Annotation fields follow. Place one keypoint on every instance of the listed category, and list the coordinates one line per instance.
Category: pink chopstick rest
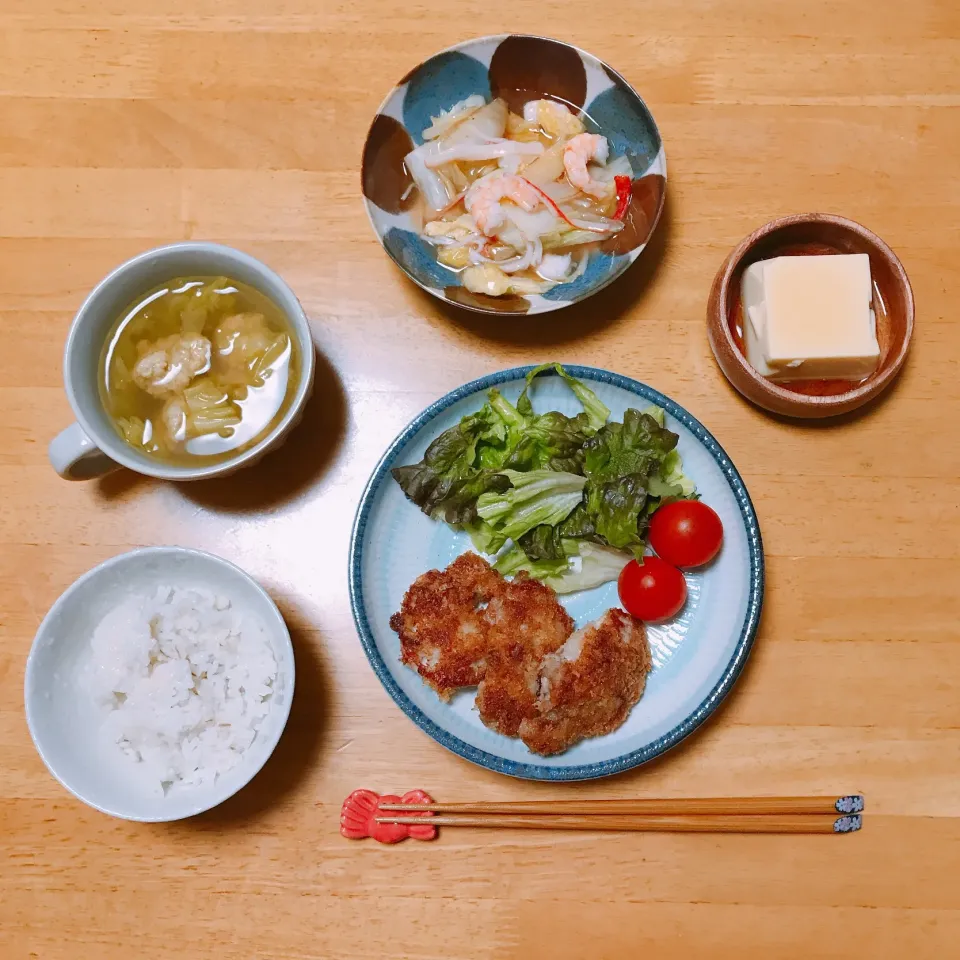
(358, 817)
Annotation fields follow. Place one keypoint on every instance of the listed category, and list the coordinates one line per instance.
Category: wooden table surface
(127, 123)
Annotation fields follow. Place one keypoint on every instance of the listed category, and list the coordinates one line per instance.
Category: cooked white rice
(187, 681)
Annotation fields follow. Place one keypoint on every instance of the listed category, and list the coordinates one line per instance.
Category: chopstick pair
(393, 818)
(682, 815)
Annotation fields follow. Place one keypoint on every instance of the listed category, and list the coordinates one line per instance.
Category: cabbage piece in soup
(199, 368)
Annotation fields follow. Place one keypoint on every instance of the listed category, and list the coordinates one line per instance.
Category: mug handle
(76, 457)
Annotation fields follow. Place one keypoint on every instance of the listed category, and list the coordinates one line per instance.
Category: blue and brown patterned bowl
(517, 68)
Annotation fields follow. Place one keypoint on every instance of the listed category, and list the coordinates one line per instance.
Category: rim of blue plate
(604, 768)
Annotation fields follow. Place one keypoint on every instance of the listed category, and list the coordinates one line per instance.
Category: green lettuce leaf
(463, 462)
(535, 497)
(507, 413)
(552, 442)
(671, 470)
(451, 455)
(598, 565)
(597, 412)
(657, 413)
(505, 429)
(580, 525)
(632, 468)
(586, 566)
(514, 560)
(546, 542)
(671, 473)
(483, 537)
(543, 543)
(452, 499)
(557, 486)
(616, 508)
(637, 445)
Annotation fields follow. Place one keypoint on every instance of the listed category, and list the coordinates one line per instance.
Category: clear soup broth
(198, 368)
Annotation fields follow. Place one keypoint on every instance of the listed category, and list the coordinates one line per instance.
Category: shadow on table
(287, 472)
(571, 323)
(870, 409)
(301, 744)
(282, 475)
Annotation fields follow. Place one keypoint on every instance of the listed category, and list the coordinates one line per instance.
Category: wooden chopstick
(690, 823)
(731, 806)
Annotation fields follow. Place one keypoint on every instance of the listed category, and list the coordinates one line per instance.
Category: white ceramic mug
(92, 446)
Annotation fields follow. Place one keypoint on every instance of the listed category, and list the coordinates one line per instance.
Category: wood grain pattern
(127, 123)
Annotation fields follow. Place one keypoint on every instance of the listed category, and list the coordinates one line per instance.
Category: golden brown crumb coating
(467, 626)
(525, 621)
(442, 632)
(588, 687)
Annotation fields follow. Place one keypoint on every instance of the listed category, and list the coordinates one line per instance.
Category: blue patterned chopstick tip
(850, 804)
(848, 824)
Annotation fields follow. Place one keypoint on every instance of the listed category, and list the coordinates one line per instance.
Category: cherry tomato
(686, 533)
(652, 592)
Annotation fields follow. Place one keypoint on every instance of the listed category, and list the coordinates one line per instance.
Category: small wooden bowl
(811, 233)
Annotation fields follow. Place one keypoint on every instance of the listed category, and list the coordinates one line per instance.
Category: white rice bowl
(129, 755)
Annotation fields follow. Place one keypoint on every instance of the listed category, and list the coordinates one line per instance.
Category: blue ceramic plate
(697, 657)
(516, 68)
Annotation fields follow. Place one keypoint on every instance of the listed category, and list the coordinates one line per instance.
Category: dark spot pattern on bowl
(383, 175)
(646, 203)
(624, 120)
(418, 258)
(409, 75)
(517, 68)
(524, 68)
(480, 301)
(437, 85)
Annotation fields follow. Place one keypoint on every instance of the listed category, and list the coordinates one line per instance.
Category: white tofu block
(810, 317)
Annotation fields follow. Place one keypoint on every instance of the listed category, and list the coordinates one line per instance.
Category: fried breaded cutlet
(525, 621)
(442, 631)
(467, 626)
(588, 687)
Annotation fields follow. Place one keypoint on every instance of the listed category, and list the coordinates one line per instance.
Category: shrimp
(577, 153)
(483, 199)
